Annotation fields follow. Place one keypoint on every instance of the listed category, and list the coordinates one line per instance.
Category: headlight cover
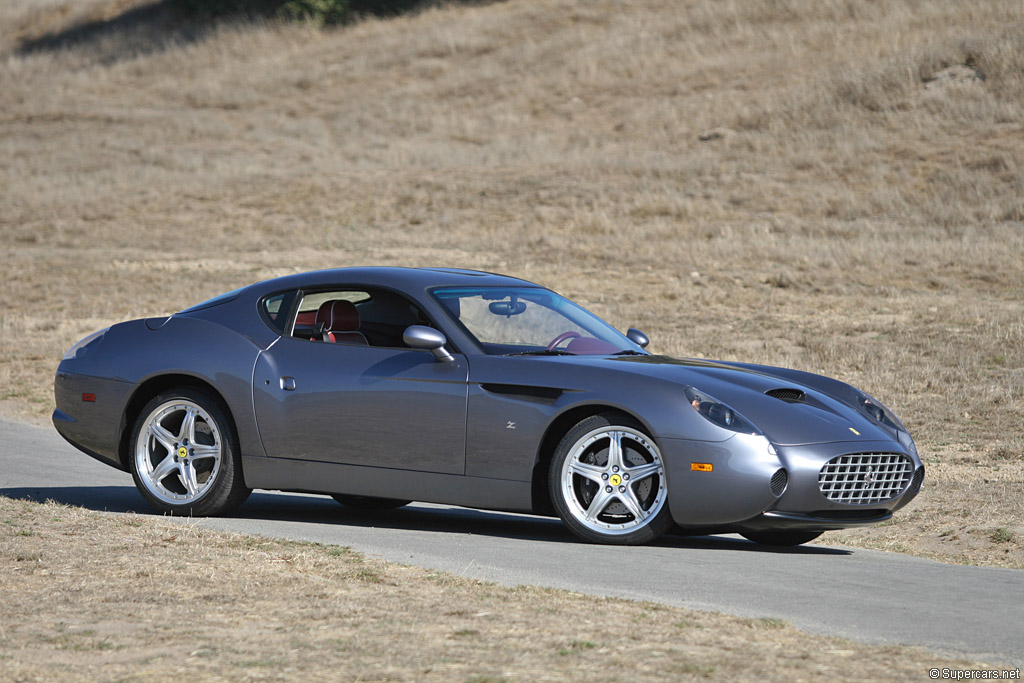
(878, 412)
(718, 413)
(908, 442)
(82, 347)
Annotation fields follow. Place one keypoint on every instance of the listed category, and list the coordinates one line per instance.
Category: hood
(793, 413)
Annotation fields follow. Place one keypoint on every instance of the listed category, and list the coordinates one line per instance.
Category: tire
(607, 482)
(368, 502)
(781, 538)
(184, 455)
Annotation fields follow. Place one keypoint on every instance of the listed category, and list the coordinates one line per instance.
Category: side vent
(524, 391)
(787, 395)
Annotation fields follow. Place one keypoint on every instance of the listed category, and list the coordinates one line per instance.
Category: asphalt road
(871, 596)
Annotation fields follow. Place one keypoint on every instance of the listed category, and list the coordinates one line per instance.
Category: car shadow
(156, 26)
(100, 498)
(298, 508)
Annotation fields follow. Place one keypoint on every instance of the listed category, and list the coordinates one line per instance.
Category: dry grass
(858, 215)
(153, 600)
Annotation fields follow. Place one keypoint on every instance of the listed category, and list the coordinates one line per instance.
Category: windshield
(527, 320)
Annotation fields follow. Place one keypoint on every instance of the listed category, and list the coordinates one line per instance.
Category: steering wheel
(561, 338)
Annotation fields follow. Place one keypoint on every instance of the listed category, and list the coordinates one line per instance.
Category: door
(362, 405)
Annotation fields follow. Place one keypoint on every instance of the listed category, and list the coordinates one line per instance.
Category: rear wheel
(781, 538)
(368, 502)
(184, 455)
(607, 482)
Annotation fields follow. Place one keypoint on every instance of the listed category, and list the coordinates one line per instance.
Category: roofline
(394, 276)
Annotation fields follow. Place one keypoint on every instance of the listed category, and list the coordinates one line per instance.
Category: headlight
(879, 413)
(83, 346)
(907, 442)
(718, 413)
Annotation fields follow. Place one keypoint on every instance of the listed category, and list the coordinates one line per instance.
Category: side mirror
(423, 337)
(637, 337)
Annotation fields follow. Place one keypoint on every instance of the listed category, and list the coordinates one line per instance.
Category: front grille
(779, 481)
(865, 478)
(788, 395)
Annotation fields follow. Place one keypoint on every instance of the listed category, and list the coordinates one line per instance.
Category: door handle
(288, 383)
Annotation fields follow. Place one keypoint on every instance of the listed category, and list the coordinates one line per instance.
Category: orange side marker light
(702, 467)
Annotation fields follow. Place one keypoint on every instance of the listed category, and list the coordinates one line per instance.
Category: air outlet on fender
(524, 391)
(788, 395)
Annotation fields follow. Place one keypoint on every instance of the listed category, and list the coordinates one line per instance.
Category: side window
(274, 310)
(364, 316)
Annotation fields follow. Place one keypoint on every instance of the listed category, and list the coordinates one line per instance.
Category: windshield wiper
(629, 352)
(542, 352)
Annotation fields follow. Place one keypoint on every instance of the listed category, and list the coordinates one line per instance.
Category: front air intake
(915, 485)
(865, 478)
(779, 482)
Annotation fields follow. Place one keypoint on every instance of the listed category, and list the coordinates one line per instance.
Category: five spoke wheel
(608, 482)
(184, 456)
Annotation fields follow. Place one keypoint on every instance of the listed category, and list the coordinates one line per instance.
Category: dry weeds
(858, 211)
(152, 599)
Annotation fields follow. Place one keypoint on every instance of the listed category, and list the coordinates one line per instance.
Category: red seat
(340, 321)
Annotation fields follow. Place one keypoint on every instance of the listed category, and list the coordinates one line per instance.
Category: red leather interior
(341, 322)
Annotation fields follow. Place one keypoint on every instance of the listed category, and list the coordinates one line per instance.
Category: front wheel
(607, 482)
(184, 455)
(781, 538)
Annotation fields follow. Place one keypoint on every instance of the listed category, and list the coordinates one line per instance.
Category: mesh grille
(778, 482)
(915, 485)
(865, 478)
(790, 395)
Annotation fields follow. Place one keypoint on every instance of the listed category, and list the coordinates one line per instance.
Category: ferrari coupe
(382, 386)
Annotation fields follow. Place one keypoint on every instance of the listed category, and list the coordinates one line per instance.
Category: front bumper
(737, 493)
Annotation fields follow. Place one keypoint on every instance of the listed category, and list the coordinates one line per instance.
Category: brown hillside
(836, 186)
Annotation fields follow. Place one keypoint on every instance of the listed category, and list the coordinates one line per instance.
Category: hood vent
(787, 395)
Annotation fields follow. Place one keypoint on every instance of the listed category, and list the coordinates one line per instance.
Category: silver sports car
(381, 386)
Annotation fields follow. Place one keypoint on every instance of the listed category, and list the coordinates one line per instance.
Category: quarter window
(275, 310)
